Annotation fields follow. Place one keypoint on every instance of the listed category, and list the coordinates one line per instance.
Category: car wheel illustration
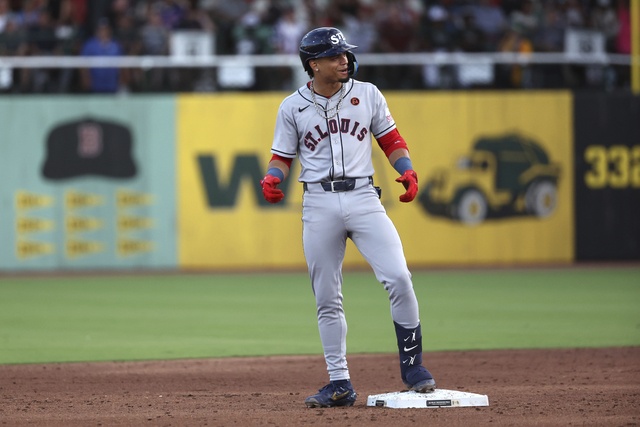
(541, 198)
(471, 208)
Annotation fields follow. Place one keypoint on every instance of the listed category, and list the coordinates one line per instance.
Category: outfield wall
(172, 181)
(87, 182)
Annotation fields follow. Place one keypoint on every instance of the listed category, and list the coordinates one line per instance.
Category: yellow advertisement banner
(495, 173)
(224, 144)
(496, 177)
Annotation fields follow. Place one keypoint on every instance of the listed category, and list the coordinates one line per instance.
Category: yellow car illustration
(502, 176)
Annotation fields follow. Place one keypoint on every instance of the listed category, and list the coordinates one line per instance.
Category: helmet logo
(337, 38)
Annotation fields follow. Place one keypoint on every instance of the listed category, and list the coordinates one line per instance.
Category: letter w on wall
(244, 166)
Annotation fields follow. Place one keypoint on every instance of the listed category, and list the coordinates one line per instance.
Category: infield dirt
(568, 387)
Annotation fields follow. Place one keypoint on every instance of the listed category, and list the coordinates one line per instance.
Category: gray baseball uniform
(332, 139)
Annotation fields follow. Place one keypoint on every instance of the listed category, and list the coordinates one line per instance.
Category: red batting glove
(410, 181)
(271, 193)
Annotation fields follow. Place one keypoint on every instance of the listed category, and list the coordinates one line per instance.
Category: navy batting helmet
(326, 41)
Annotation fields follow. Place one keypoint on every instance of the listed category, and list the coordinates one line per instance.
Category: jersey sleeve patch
(387, 114)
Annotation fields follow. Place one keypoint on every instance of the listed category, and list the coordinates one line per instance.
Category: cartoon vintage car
(503, 176)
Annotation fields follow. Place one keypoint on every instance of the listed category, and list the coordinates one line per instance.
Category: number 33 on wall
(617, 166)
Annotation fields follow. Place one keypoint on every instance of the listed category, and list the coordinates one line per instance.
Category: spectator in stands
(604, 18)
(525, 19)
(126, 32)
(397, 29)
(467, 36)
(437, 37)
(575, 15)
(42, 35)
(69, 27)
(172, 12)
(509, 6)
(42, 41)
(549, 38)
(347, 7)
(101, 80)
(360, 29)
(252, 36)
(5, 14)
(199, 79)
(77, 11)
(514, 75)
(30, 12)
(195, 18)
(225, 15)
(331, 15)
(287, 33)
(385, 26)
(398, 33)
(117, 10)
(154, 35)
(436, 31)
(13, 39)
(69, 24)
(154, 39)
(13, 42)
(491, 20)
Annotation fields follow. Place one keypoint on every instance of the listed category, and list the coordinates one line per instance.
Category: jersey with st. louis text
(332, 148)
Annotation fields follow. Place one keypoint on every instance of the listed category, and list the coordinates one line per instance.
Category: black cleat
(336, 393)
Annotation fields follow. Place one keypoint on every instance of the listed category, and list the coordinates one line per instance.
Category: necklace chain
(325, 113)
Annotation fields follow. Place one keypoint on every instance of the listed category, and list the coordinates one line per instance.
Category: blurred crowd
(145, 27)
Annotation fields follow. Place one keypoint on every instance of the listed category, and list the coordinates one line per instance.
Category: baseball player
(328, 124)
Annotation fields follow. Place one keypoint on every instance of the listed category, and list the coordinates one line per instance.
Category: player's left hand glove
(271, 193)
(410, 181)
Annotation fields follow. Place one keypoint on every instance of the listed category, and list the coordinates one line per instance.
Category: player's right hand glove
(410, 181)
(271, 193)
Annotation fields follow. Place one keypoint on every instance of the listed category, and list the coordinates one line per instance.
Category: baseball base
(437, 399)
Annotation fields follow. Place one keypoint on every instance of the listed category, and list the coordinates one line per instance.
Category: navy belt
(339, 186)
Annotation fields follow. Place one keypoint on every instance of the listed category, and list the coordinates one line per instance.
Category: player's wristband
(402, 165)
(277, 172)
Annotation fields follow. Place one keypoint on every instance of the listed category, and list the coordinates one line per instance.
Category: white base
(437, 399)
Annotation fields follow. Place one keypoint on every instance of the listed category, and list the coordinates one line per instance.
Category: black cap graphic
(89, 147)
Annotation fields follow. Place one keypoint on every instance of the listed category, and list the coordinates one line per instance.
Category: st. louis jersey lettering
(334, 148)
(311, 139)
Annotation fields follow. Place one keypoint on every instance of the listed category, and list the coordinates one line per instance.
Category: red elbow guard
(391, 142)
(286, 160)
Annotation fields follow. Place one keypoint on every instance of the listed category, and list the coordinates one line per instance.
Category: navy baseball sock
(409, 347)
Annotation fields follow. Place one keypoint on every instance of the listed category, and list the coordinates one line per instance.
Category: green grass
(190, 316)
